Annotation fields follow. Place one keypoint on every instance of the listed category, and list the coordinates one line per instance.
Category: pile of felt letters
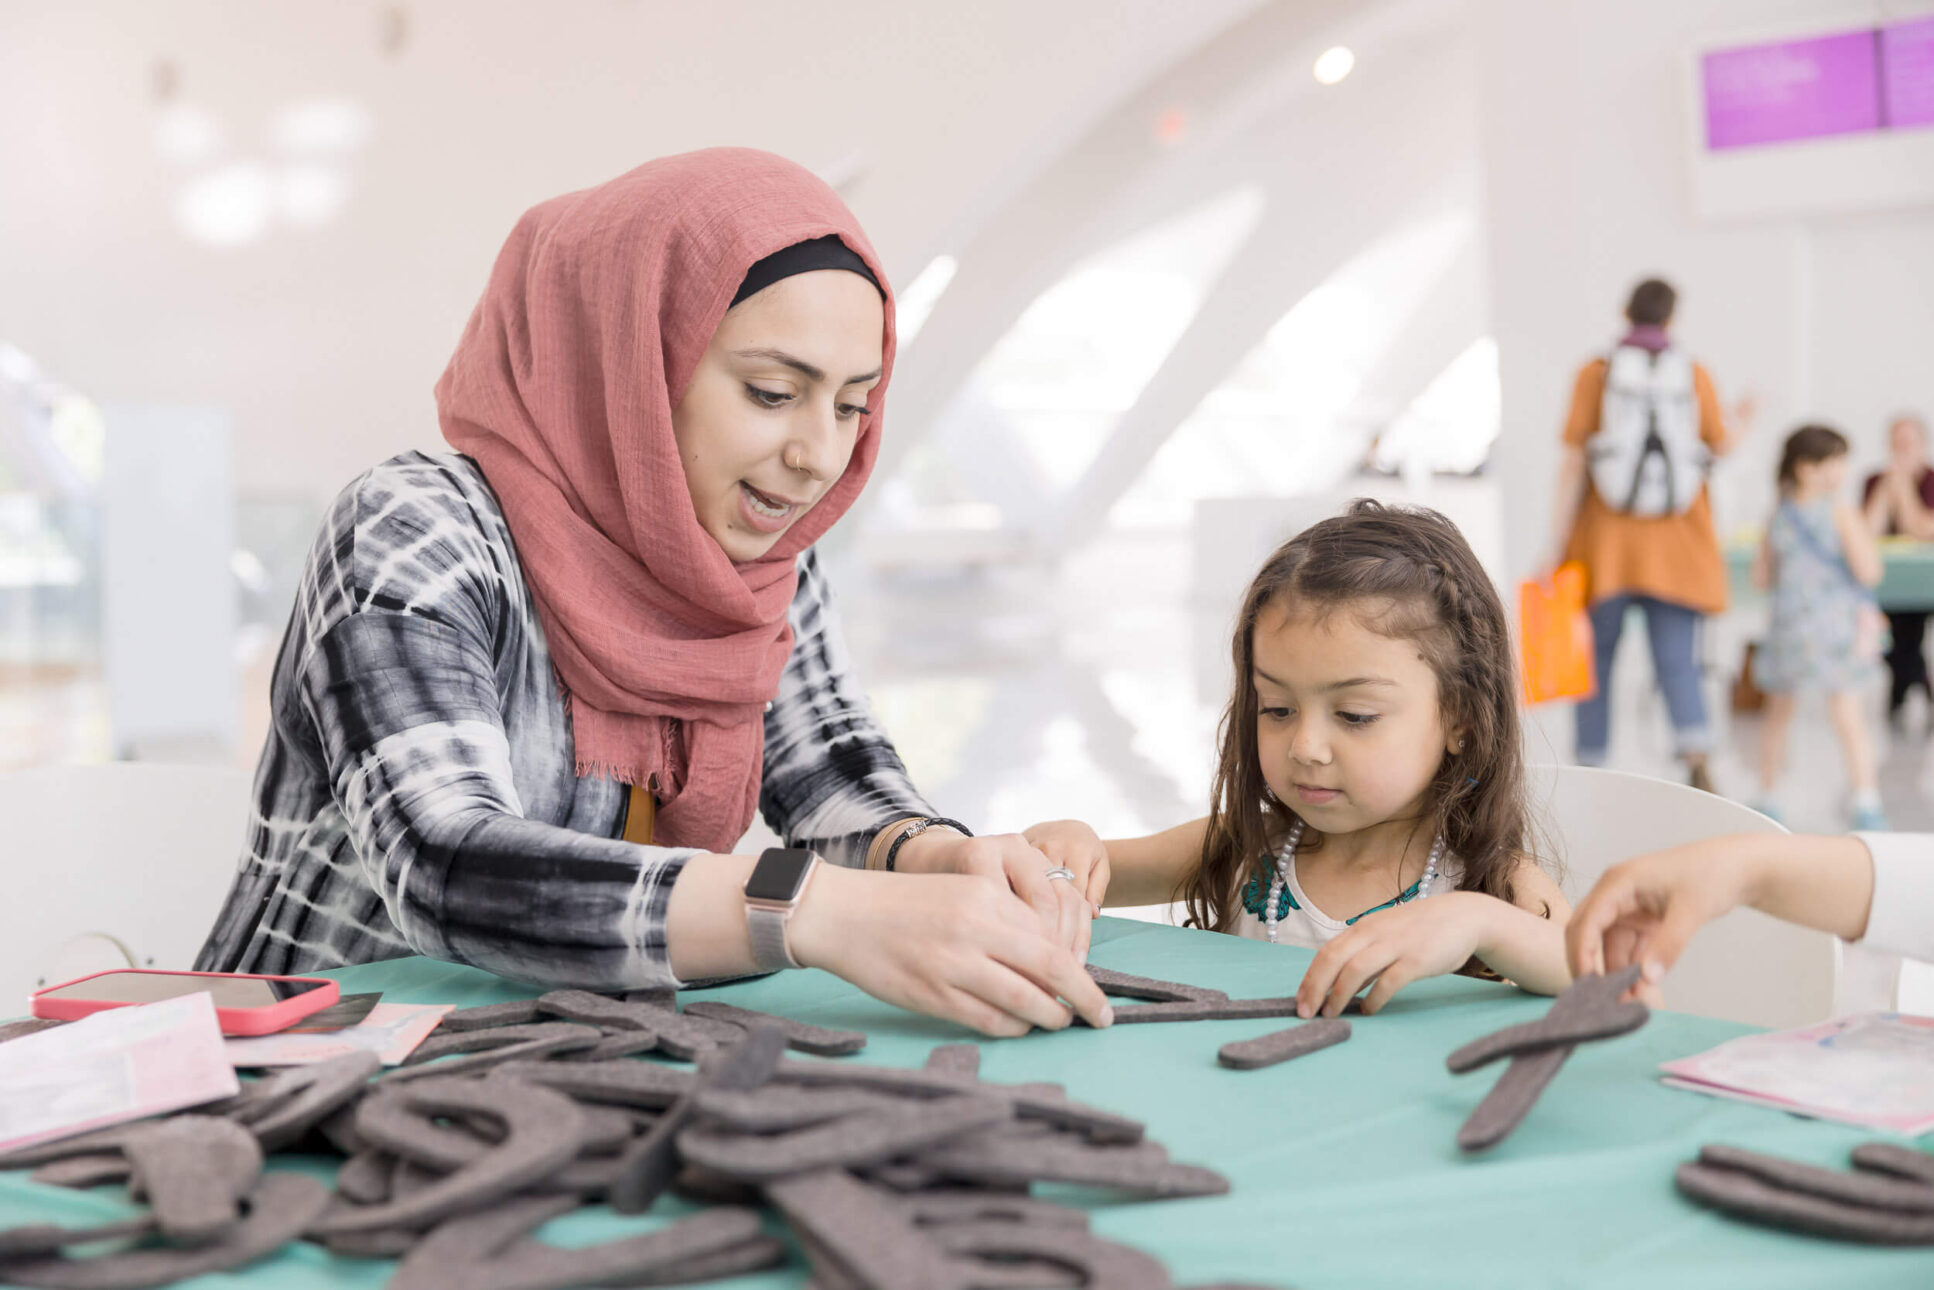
(513, 1114)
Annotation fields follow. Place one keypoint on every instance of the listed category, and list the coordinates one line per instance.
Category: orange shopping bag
(1555, 637)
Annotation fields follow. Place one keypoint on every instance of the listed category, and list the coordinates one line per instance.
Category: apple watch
(772, 893)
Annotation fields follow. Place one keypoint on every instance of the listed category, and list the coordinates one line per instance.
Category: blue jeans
(1674, 632)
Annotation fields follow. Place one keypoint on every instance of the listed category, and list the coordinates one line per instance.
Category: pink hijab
(598, 310)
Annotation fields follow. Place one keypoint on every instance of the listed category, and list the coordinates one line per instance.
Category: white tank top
(1310, 927)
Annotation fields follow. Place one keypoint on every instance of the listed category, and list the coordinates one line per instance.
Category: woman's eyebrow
(802, 367)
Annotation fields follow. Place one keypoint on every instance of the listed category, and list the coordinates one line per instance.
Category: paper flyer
(391, 1031)
(116, 1065)
(1875, 1069)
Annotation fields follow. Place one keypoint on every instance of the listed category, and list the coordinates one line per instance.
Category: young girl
(1370, 798)
(1820, 562)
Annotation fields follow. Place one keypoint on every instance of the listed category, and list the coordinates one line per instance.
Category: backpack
(1647, 458)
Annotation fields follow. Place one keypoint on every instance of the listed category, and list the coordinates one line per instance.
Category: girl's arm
(1857, 541)
(1151, 870)
(1763, 562)
(1523, 941)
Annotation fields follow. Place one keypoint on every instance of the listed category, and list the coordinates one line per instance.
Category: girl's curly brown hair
(1406, 573)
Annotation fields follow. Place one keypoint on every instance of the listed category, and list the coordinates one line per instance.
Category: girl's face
(770, 418)
(1821, 478)
(1348, 721)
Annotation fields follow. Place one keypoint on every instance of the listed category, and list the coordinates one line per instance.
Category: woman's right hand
(947, 945)
(1646, 909)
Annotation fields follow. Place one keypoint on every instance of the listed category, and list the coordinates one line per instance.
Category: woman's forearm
(1820, 882)
(1151, 870)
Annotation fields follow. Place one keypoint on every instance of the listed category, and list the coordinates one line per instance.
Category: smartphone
(244, 1004)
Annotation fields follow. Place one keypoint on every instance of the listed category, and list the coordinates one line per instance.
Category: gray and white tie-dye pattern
(416, 794)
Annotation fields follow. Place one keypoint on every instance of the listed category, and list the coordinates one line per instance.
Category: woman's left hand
(1395, 947)
(1016, 861)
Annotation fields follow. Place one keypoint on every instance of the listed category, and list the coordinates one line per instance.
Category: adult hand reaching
(949, 945)
(1644, 911)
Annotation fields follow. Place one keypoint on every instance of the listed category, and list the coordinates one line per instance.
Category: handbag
(1555, 637)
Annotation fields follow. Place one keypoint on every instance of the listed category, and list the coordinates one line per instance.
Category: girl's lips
(1317, 796)
(760, 519)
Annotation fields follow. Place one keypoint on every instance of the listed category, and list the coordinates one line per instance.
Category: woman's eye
(767, 398)
(1357, 718)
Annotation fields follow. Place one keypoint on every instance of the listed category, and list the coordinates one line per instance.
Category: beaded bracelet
(921, 826)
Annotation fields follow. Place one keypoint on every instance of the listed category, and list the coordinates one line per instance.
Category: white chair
(117, 865)
(1744, 966)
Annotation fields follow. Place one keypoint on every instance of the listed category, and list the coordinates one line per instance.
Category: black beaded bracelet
(926, 822)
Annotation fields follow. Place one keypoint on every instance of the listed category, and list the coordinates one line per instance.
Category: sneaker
(1701, 779)
(1770, 811)
(1869, 819)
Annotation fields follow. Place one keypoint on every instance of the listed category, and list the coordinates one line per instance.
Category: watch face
(778, 875)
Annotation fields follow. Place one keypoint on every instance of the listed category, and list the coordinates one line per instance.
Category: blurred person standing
(1899, 502)
(1819, 561)
(1632, 505)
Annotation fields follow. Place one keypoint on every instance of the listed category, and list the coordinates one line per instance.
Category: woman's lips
(764, 512)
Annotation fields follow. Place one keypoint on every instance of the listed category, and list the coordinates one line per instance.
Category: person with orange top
(1633, 507)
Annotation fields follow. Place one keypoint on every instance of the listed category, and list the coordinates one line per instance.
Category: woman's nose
(815, 448)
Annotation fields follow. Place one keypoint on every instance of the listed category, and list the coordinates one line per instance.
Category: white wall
(1588, 189)
(324, 344)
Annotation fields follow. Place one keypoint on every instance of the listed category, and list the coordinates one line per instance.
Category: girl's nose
(1309, 747)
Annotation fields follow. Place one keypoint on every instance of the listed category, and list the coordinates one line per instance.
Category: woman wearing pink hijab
(533, 691)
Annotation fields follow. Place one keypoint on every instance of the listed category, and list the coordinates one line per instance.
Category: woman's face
(771, 415)
(1908, 442)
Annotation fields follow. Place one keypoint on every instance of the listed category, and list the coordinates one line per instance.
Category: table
(1343, 1164)
(1906, 580)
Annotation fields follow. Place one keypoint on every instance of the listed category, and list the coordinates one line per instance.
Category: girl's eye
(847, 411)
(1274, 714)
(767, 398)
(1357, 718)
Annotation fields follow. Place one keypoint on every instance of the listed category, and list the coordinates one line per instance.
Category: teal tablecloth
(1343, 1163)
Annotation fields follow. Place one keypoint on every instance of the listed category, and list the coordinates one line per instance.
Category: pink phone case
(233, 1021)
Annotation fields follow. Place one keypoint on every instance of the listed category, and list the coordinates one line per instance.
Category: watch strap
(768, 928)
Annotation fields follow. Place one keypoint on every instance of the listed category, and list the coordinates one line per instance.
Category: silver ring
(1059, 872)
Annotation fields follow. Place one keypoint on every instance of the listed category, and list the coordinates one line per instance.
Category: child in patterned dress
(1819, 561)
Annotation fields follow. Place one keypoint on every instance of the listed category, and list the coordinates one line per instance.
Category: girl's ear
(1454, 742)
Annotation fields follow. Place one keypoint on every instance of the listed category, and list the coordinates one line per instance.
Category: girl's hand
(1013, 861)
(950, 946)
(1395, 947)
(1076, 846)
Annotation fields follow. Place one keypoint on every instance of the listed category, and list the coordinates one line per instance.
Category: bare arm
(1914, 519)
(1763, 567)
(1857, 541)
(1646, 909)
(1151, 870)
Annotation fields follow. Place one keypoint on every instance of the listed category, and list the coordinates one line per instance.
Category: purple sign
(1793, 89)
(1907, 72)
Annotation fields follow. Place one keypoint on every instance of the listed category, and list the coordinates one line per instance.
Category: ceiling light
(1334, 64)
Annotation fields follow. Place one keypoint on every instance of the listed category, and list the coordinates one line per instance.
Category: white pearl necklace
(1288, 851)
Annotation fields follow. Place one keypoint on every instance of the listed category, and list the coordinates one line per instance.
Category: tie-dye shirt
(417, 792)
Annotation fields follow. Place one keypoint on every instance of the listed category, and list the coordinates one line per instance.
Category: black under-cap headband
(805, 257)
